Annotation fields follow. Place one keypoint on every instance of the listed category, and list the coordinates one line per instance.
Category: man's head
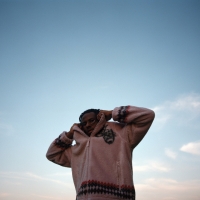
(89, 120)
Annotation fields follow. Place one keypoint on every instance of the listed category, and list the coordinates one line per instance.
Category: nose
(88, 125)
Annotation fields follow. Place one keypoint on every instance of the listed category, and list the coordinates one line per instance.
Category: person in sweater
(101, 159)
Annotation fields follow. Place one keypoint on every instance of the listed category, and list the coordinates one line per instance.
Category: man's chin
(90, 131)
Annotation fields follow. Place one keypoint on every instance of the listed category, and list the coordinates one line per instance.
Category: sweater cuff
(63, 141)
(120, 113)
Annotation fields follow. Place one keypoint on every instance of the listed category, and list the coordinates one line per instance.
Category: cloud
(188, 102)
(28, 185)
(32, 177)
(170, 153)
(192, 147)
(182, 110)
(41, 178)
(61, 174)
(168, 189)
(46, 197)
(169, 184)
(151, 166)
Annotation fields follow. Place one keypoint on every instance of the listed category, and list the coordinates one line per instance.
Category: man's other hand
(107, 113)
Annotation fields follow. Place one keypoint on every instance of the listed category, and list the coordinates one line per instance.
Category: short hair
(96, 111)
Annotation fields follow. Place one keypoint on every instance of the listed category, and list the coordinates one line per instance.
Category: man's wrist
(69, 135)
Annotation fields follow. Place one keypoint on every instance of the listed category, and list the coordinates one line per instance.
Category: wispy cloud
(192, 147)
(32, 177)
(46, 197)
(168, 189)
(61, 174)
(151, 166)
(41, 178)
(182, 110)
(169, 184)
(187, 102)
(170, 153)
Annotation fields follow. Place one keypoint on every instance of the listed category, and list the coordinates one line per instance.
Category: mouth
(90, 130)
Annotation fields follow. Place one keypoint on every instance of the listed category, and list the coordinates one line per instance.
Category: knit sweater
(102, 163)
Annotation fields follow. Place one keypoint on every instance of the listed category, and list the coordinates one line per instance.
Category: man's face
(88, 122)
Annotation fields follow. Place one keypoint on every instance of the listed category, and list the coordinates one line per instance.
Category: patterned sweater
(102, 163)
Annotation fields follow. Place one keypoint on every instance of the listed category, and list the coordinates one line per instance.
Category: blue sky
(58, 58)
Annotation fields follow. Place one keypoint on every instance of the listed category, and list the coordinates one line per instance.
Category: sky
(59, 58)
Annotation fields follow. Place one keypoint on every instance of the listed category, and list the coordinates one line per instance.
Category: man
(101, 159)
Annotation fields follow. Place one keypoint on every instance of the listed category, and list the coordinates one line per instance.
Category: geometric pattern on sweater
(107, 134)
(122, 112)
(97, 187)
(61, 144)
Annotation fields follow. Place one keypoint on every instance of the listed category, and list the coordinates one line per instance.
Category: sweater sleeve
(137, 122)
(59, 151)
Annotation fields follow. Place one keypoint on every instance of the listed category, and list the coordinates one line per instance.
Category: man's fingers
(99, 115)
(79, 125)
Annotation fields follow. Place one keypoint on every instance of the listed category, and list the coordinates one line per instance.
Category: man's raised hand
(71, 131)
(107, 113)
